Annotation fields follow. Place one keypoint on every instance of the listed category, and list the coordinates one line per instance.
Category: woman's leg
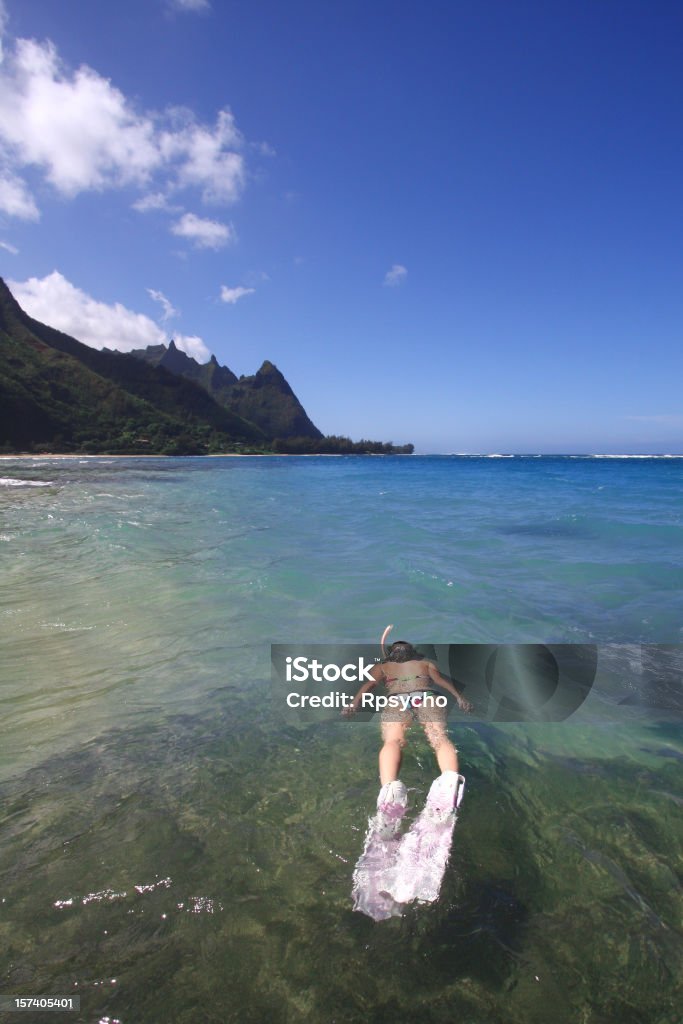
(446, 753)
(393, 734)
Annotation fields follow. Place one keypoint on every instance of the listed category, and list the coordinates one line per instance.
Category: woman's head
(401, 650)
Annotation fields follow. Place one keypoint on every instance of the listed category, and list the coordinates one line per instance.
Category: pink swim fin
(374, 869)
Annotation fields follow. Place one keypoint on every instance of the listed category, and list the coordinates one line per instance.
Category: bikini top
(405, 684)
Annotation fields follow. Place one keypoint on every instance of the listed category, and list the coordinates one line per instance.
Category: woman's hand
(465, 705)
(348, 712)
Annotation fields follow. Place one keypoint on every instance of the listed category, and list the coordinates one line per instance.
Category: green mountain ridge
(59, 395)
(264, 398)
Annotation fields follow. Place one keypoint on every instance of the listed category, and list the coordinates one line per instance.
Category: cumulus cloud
(9, 248)
(396, 275)
(78, 128)
(206, 157)
(206, 234)
(233, 295)
(84, 134)
(192, 346)
(56, 301)
(169, 311)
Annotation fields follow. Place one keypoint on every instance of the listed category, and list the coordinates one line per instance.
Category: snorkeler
(392, 873)
(405, 671)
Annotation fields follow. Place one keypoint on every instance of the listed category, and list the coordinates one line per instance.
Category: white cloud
(396, 275)
(233, 295)
(207, 158)
(55, 301)
(15, 198)
(169, 311)
(84, 134)
(9, 248)
(190, 5)
(206, 234)
(193, 346)
(78, 128)
(154, 201)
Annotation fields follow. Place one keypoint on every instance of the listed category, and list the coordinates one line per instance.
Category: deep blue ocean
(173, 850)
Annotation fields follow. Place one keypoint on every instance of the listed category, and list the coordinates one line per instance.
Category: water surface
(173, 850)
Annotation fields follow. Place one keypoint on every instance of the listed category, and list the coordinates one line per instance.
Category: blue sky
(452, 224)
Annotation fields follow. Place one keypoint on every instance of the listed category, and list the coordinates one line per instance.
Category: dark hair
(401, 650)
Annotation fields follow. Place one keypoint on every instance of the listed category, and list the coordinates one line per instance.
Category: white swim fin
(423, 852)
(374, 869)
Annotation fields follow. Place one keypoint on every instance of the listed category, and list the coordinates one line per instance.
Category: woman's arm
(446, 684)
(377, 674)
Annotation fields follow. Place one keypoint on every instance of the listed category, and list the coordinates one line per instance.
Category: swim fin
(423, 852)
(374, 869)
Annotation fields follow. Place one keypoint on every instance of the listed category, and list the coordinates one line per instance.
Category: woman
(390, 874)
(405, 671)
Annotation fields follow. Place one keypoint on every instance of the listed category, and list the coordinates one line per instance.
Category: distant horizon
(567, 455)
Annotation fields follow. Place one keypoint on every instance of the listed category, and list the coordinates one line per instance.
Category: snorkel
(385, 634)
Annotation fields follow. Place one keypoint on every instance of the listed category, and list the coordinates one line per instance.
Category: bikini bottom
(421, 708)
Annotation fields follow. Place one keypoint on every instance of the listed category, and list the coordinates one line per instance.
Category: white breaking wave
(10, 481)
(628, 456)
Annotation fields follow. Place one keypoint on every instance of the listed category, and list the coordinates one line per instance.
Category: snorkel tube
(385, 634)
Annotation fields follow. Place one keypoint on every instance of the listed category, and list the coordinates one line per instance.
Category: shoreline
(342, 455)
(213, 455)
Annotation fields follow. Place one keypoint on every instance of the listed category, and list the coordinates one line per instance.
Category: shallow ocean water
(174, 849)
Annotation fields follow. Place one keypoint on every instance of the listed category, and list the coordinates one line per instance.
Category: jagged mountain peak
(264, 398)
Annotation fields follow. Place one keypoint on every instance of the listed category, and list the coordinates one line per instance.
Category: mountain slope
(56, 392)
(215, 379)
(265, 398)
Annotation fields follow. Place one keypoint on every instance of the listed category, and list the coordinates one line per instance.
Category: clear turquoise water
(139, 745)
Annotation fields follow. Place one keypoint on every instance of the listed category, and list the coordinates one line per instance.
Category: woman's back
(406, 676)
